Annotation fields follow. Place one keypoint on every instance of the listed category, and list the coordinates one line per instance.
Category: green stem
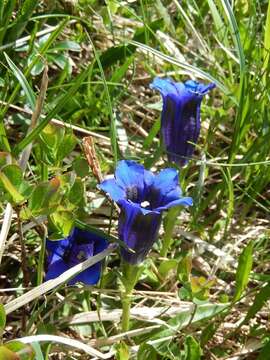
(41, 256)
(169, 223)
(126, 305)
(130, 277)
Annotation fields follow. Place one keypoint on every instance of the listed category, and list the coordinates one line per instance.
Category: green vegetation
(79, 68)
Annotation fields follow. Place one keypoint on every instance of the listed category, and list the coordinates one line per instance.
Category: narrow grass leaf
(2, 319)
(7, 8)
(18, 26)
(192, 349)
(113, 134)
(260, 300)
(266, 44)
(264, 354)
(243, 270)
(152, 133)
(31, 97)
(59, 106)
(234, 33)
(193, 69)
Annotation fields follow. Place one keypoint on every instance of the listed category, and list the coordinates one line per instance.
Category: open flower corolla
(72, 250)
(142, 197)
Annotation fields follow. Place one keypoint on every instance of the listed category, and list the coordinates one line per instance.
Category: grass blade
(60, 105)
(243, 270)
(23, 82)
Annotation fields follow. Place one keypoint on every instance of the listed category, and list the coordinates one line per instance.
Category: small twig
(59, 123)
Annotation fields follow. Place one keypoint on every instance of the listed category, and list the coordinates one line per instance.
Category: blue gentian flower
(142, 197)
(180, 118)
(74, 249)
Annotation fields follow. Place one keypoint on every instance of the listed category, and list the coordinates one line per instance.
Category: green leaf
(44, 198)
(184, 268)
(31, 97)
(38, 351)
(11, 180)
(24, 352)
(167, 266)
(66, 146)
(63, 220)
(187, 317)
(66, 45)
(60, 60)
(122, 351)
(266, 49)
(2, 319)
(22, 17)
(146, 351)
(208, 333)
(6, 354)
(243, 270)
(169, 223)
(152, 133)
(81, 167)
(259, 301)
(192, 349)
(264, 353)
(76, 193)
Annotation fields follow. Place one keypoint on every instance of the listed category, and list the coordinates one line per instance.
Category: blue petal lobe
(164, 86)
(89, 276)
(130, 176)
(165, 182)
(111, 187)
(184, 201)
(53, 245)
(56, 269)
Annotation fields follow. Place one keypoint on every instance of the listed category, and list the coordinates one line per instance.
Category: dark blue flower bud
(180, 118)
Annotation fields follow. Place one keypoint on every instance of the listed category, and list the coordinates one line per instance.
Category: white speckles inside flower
(145, 204)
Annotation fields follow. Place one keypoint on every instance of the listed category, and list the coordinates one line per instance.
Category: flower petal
(164, 86)
(77, 247)
(165, 182)
(111, 187)
(53, 245)
(137, 230)
(199, 88)
(184, 201)
(89, 276)
(55, 269)
(130, 176)
(56, 249)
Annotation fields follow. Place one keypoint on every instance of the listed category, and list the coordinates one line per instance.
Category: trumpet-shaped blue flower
(142, 197)
(74, 249)
(180, 118)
